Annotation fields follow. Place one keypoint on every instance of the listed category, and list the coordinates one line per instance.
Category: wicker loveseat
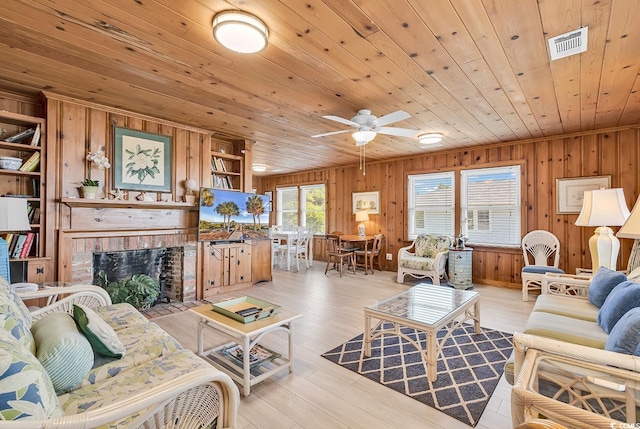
(577, 360)
(155, 384)
(426, 257)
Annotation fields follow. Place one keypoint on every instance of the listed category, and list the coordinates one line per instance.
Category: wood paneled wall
(612, 152)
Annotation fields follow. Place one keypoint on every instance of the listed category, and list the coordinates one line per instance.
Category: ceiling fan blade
(332, 133)
(401, 132)
(341, 120)
(398, 115)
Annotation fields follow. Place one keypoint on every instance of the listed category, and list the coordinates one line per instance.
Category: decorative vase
(89, 192)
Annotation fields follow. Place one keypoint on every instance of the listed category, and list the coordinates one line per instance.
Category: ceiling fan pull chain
(364, 160)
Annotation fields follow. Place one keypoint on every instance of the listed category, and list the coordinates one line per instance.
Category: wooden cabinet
(28, 181)
(226, 267)
(261, 261)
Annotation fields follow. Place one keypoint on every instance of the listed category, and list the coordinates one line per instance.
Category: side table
(460, 262)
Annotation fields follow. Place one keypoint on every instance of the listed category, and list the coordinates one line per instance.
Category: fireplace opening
(164, 265)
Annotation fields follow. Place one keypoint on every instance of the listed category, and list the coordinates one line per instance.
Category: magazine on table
(258, 355)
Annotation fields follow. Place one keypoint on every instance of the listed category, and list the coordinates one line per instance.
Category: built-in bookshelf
(226, 171)
(23, 137)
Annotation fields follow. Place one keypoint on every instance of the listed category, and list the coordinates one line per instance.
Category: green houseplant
(91, 187)
(139, 290)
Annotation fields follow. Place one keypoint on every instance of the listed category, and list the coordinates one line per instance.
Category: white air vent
(568, 44)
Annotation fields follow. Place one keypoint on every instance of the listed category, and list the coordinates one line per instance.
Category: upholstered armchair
(425, 258)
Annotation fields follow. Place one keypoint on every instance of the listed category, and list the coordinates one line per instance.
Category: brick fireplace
(179, 266)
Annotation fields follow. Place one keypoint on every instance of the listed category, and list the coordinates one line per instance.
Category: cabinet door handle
(40, 270)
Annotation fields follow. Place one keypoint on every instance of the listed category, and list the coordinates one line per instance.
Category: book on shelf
(35, 139)
(17, 138)
(12, 243)
(26, 248)
(34, 216)
(19, 245)
(32, 163)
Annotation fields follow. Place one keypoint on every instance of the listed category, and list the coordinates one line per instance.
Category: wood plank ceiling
(477, 71)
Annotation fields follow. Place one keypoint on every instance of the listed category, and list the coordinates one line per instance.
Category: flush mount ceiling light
(240, 32)
(430, 138)
(259, 167)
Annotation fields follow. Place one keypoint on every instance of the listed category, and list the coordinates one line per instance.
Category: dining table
(357, 239)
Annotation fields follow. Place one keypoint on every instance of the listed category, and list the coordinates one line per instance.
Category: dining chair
(337, 255)
(297, 247)
(276, 244)
(368, 255)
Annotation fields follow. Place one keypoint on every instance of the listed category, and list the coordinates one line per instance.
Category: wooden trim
(127, 113)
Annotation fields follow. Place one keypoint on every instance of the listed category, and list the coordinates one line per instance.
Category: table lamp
(603, 207)
(190, 185)
(362, 217)
(631, 229)
(13, 217)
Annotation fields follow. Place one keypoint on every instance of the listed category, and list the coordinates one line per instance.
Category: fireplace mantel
(97, 204)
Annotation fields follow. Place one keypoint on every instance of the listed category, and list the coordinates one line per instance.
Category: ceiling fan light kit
(363, 137)
(240, 32)
(430, 138)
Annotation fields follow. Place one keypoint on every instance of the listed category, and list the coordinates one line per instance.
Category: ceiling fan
(368, 126)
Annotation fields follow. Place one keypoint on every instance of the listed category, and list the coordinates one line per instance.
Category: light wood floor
(320, 394)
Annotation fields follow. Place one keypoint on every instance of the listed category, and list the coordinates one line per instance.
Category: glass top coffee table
(426, 308)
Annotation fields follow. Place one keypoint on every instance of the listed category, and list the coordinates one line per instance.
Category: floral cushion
(142, 344)
(428, 246)
(131, 382)
(121, 315)
(417, 263)
(15, 317)
(26, 391)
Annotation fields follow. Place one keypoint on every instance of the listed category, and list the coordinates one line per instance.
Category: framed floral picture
(142, 161)
(366, 201)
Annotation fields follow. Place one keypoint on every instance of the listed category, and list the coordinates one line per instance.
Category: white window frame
(446, 211)
(505, 220)
(301, 210)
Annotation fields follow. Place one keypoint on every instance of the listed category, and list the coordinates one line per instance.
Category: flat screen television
(230, 216)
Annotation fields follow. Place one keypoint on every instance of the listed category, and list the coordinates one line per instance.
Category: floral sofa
(80, 362)
(426, 257)
(577, 361)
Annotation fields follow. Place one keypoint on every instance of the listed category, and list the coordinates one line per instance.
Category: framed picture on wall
(570, 191)
(142, 161)
(366, 201)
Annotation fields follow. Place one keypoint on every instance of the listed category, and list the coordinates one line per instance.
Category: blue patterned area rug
(469, 368)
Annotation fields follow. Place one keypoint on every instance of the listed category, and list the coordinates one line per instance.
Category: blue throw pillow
(625, 336)
(602, 284)
(622, 298)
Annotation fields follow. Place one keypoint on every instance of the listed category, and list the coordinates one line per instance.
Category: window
(490, 205)
(302, 206)
(431, 204)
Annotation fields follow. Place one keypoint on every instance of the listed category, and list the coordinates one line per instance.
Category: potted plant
(90, 187)
(139, 290)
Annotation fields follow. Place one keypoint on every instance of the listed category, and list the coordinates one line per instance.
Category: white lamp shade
(603, 207)
(13, 215)
(190, 185)
(240, 32)
(362, 216)
(631, 228)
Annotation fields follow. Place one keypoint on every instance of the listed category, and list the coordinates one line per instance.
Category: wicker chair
(425, 258)
(538, 247)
